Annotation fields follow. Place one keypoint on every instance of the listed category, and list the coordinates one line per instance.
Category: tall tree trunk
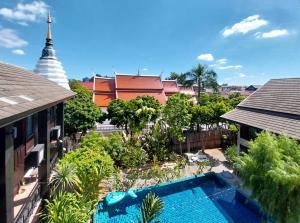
(199, 89)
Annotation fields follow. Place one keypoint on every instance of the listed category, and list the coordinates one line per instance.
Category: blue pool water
(201, 199)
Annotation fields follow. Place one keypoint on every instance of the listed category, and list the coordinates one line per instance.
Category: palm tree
(203, 77)
(151, 208)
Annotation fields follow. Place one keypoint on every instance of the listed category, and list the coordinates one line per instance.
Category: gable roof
(274, 107)
(170, 86)
(23, 93)
(278, 95)
(135, 82)
(103, 84)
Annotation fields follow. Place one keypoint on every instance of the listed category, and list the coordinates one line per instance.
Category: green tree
(177, 115)
(134, 114)
(145, 109)
(203, 77)
(181, 78)
(81, 113)
(151, 209)
(120, 113)
(271, 168)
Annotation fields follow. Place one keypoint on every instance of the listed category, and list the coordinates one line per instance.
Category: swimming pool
(201, 199)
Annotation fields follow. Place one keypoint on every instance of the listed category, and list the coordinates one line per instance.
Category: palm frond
(151, 208)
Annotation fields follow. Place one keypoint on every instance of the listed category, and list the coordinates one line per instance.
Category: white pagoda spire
(48, 65)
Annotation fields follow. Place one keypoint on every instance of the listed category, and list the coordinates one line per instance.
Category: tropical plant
(180, 78)
(135, 157)
(115, 147)
(231, 153)
(65, 178)
(66, 208)
(203, 77)
(151, 209)
(271, 169)
(157, 141)
(81, 113)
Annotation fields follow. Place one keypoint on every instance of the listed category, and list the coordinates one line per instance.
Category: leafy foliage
(272, 170)
(135, 156)
(151, 209)
(231, 153)
(177, 115)
(157, 141)
(81, 113)
(115, 147)
(134, 114)
(79, 172)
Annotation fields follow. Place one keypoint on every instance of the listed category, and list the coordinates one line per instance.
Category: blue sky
(244, 41)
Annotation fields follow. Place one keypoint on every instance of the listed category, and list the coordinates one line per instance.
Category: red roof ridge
(137, 75)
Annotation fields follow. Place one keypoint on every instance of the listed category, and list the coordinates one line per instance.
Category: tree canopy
(271, 168)
(177, 114)
(80, 112)
(133, 114)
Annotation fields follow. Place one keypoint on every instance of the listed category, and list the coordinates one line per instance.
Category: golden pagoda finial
(49, 21)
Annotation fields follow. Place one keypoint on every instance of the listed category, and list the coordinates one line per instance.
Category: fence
(205, 139)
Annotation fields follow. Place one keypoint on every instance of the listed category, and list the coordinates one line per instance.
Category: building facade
(31, 123)
(274, 107)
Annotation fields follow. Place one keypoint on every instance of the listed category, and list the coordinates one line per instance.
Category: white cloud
(242, 75)
(230, 67)
(145, 69)
(18, 52)
(222, 61)
(10, 39)
(206, 57)
(272, 34)
(250, 23)
(25, 12)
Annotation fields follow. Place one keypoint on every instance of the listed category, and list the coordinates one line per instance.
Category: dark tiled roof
(274, 107)
(280, 95)
(22, 93)
(269, 121)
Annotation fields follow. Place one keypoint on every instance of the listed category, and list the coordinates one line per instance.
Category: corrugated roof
(270, 121)
(103, 84)
(134, 82)
(280, 95)
(37, 92)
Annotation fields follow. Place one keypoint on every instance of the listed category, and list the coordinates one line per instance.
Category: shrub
(271, 169)
(231, 153)
(135, 157)
(116, 148)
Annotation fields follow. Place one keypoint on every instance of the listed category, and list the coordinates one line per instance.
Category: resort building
(31, 123)
(275, 107)
(129, 86)
(48, 65)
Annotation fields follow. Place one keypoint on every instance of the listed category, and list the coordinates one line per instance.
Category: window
(29, 125)
(248, 132)
(19, 140)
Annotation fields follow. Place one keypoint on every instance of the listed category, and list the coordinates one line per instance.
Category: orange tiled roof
(104, 84)
(128, 95)
(170, 87)
(138, 82)
(88, 85)
(104, 99)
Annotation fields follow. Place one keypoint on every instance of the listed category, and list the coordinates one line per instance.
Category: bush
(116, 148)
(134, 157)
(271, 169)
(157, 141)
(231, 153)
